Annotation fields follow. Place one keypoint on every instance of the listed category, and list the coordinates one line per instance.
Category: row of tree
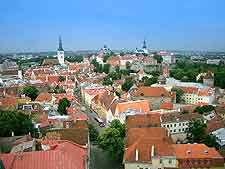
(186, 70)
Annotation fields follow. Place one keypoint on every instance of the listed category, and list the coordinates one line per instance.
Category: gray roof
(220, 136)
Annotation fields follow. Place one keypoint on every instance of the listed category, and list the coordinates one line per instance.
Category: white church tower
(60, 52)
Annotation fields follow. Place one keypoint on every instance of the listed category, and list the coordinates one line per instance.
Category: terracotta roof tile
(143, 139)
(152, 92)
(140, 105)
(65, 155)
(143, 120)
(189, 151)
(166, 105)
(44, 97)
(173, 117)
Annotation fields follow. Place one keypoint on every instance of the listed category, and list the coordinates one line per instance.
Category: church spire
(60, 44)
(144, 45)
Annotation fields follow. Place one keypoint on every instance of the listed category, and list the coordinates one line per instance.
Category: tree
(117, 69)
(63, 104)
(106, 68)
(17, 122)
(62, 78)
(149, 81)
(210, 141)
(31, 92)
(112, 140)
(196, 131)
(118, 94)
(128, 65)
(158, 58)
(93, 132)
(179, 94)
(75, 58)
(204, 109)
(107, 81)
(106, 57)
(127, 84)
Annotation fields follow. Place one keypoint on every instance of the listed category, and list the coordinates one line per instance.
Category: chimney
(152, 152)
(136, 154)
(140, 108)
(46, 78)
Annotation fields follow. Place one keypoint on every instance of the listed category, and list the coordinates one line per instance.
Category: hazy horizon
(33, 26)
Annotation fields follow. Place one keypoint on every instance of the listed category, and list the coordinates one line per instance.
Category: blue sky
(34, 25)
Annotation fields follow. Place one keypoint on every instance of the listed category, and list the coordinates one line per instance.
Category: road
(101, 160)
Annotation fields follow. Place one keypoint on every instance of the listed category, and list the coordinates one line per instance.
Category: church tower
(144, 48)
(60, 52)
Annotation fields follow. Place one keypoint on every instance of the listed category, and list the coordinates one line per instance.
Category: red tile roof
(143, 120)
(44, 97)
(8, 100)
(141, 72)
(197, 151)
(152, 92)
(143, 139)
(166, 105)
(66, 155)
(140, 105)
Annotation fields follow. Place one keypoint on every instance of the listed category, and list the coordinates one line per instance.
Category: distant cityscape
(137, 109)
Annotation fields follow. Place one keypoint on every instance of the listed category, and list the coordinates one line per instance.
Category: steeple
(60, 44)
(144, 45)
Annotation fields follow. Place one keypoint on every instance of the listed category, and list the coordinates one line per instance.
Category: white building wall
(137, 165)
(60, 55)
(176, 127)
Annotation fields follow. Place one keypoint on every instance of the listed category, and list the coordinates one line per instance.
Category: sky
(34, 25)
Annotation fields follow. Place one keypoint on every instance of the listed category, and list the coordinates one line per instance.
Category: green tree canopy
(106, 68)
(204, 109)
(17, 122)
(112, 140)
(128, 65)
(127, 84)
(31, 92)
(179, 94)
(149, 81)
(93, 132)
(62, 78)
(106, 57)
(196, 131)
(117, 69)
(158, 58)
(107, 81)
(75, 58)
(63, 104)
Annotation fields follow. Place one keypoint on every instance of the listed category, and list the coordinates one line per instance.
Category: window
(179, 124)
(160, 161)
(171, 125)
(174, 130)
(168, 125)
(170, 161)
(174, 125)
(179, 130)
(171, 131)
